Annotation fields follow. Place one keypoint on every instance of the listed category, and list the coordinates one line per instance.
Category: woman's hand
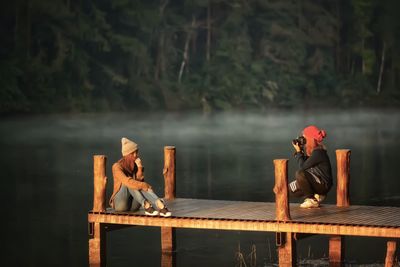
(146, 187)
(140, 178)
(138, 162)
(296, 147)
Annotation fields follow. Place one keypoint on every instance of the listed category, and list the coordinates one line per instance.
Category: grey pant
(129, 199)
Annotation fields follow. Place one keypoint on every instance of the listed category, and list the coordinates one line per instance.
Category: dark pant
(306, 185)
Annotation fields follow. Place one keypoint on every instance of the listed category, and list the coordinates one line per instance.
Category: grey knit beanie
(128, 146)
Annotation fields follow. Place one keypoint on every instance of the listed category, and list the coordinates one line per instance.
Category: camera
(300, 141)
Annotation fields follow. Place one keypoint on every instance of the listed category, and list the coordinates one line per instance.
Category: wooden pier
(288, 221)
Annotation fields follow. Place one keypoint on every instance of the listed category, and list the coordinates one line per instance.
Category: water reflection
(47, 184)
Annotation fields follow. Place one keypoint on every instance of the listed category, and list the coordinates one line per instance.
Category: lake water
(47, 180)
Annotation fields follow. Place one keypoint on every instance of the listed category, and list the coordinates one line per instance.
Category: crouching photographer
(313, 179)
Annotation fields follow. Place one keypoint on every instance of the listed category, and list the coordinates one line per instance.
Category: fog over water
(48, 179)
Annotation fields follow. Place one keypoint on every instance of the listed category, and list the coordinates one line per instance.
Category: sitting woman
(130, 190)
(314, 175)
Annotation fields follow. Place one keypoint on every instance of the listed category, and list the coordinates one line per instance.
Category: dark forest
(123, 55)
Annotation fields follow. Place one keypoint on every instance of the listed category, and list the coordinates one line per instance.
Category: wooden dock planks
(287, 220)
(260, 216)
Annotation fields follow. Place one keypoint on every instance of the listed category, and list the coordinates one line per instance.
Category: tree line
(82, 55)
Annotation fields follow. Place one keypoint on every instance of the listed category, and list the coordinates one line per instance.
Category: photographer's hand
(296, 147)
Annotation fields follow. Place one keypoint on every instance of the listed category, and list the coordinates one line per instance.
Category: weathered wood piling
(285, 242)
(343, 177)
(97, 231)
(337, 243)
(169, 172)
(100, 182)
(281, 190)
(390, 254)
(168, 233)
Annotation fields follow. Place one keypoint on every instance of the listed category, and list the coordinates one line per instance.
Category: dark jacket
(318, 165)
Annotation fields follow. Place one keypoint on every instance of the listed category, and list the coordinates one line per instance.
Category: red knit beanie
(313, 132)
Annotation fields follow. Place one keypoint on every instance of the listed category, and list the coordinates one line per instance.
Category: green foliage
(355, 91)
(12, 98)
(117, 55)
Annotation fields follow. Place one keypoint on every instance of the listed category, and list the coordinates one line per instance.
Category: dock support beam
(336, 243)
(336, 251)
(97, 231)
(287, 250)
(285, 241)
(97, 245)
(168, 233)
(390, 254)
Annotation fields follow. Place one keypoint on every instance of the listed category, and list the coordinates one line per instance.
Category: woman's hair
(314, 137)
(311, 143)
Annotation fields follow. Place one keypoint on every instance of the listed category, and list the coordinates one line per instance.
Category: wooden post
(281, 190)
(100, 182)
(286, 244)
(97, 231)
(169, 172)
(97, 245)
(336, 251)
(168, 233)
(336, 243)
(343, 177)
(168, 260)
(167, 239)
(287, 251)
(390, 254)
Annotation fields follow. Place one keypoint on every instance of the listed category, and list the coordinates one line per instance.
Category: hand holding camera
(299, 143)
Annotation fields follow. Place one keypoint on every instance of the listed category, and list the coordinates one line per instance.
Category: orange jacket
(128, 174)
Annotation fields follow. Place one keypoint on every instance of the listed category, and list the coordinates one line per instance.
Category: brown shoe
(165, 212)
(150, 211)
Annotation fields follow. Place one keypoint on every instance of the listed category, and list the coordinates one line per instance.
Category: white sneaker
(319, 198)
(309, 203)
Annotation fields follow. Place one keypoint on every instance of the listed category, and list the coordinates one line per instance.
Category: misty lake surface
(47, 177)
